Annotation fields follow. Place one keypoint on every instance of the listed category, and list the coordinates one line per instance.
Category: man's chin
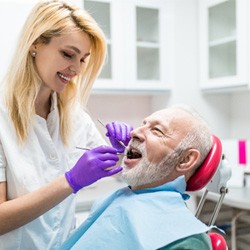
(131, 176)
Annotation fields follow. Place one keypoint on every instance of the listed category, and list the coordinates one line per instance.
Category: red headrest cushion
(218, 241)
(208, 168)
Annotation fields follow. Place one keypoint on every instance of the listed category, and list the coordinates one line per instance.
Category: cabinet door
(223, 44)
(151, 45)
(138, 41)
(103, 11)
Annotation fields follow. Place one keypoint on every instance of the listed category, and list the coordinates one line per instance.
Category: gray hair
(199, 137)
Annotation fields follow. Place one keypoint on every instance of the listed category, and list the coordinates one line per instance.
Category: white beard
(145, 172)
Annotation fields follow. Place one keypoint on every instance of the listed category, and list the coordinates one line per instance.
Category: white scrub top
(40, 160)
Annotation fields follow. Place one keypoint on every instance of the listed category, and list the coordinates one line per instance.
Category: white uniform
(40, 160)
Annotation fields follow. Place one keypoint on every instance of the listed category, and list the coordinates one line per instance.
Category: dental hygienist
(59, 55)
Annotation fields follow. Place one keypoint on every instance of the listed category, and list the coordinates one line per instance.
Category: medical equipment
(120, 142)
(87, 149)
(213, 174)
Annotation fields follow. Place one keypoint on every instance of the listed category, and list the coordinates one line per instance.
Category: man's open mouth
(133, 154)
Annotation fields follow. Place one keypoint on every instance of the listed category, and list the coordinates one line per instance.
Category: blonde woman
(59, 55)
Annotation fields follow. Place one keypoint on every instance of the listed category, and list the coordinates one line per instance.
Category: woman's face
(61, 59)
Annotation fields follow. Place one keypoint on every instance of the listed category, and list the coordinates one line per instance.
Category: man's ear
(188, 160)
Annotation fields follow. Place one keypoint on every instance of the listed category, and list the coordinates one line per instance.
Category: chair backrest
(208, 168)
(204, 176)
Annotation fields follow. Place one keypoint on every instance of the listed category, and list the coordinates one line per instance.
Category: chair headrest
(208, 168)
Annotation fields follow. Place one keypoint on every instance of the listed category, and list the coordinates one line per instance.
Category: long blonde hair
(47, 20)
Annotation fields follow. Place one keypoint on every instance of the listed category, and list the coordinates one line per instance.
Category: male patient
(151, 212)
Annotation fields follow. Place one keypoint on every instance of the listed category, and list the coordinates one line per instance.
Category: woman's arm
(93, 165)
(20, 211)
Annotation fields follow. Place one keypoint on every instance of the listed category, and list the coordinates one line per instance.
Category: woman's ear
(33, 50)
(188, 160)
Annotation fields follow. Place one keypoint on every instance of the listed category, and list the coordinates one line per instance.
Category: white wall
(11, 23)
(240, 115)
(130, 109)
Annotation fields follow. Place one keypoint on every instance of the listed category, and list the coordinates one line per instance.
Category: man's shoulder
(193, 242)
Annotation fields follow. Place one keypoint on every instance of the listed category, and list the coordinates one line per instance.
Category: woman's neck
(43, 104)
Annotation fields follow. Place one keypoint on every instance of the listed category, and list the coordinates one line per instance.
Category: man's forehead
(158, 116)
(166, 115)
(171, 118)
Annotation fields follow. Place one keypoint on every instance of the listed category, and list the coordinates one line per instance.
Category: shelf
(222, 41)
(147, 45)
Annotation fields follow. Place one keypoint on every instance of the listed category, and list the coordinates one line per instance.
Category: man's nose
(138, 133)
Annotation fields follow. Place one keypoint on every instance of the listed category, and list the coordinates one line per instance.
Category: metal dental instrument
(87, 149)
(120, 142)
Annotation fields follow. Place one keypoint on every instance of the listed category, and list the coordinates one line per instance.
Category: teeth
(64, 77)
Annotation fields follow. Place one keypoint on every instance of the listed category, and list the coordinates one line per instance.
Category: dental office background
(163, 52)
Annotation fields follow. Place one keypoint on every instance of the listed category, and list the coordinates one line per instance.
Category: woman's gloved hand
(92, 166)
(119, 131)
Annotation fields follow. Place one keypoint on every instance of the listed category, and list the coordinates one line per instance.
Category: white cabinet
(140, 44)
(223, 35)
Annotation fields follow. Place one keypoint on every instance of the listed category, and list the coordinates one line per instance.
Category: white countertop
(237, 197)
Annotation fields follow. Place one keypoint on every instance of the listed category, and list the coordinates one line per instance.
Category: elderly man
(151, 213)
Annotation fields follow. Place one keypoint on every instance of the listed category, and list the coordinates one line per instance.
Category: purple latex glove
(92, 166)
(119, 131)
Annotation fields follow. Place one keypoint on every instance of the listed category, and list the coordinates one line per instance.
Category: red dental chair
(213, 174)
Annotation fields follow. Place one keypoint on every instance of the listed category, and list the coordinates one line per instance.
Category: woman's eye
(67, 55)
